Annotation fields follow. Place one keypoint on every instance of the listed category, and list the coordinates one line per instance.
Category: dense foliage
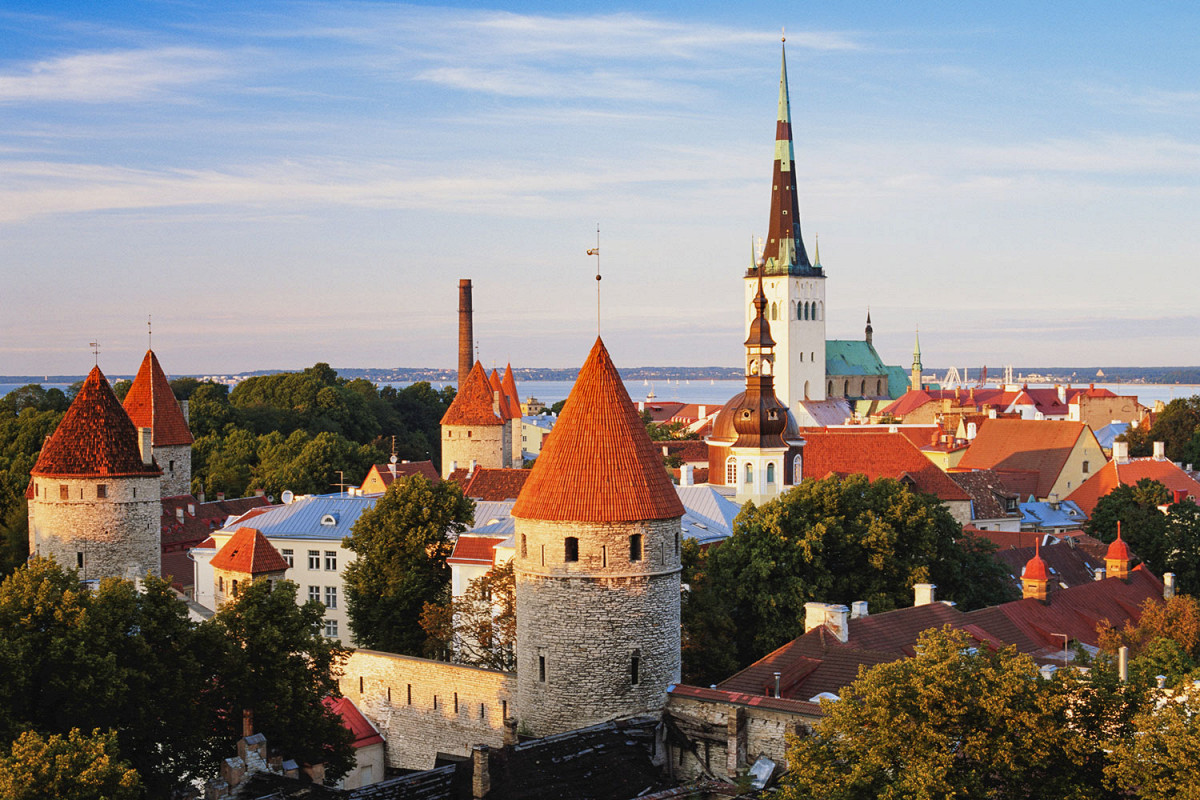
(1167, 542)
(480, 627)
(1177, 426)
(401, 546)
(172, 691)
(71, 767)
(27, 416)
(835, 540)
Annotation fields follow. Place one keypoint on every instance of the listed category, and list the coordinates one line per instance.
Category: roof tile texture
(170, 428)
(249, 551)
(1041, 446)
(876, 455)
(598, 465)
(1115, 474)
(473, 405)
(95, 438)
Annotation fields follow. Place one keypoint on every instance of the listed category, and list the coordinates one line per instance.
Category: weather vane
(595, 251)
(95, 345)
(149, 334)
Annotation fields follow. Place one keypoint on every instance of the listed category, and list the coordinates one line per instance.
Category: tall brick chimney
(466, 331)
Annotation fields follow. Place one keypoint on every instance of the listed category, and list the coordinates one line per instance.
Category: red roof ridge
(95, 438)
(475, 403)
(599, 465)
(249, 551)
(151, 387)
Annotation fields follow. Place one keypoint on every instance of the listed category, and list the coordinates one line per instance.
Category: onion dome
(598, 464)
(151, 403)
(1118, 550)
(475, 402)
(95, 438)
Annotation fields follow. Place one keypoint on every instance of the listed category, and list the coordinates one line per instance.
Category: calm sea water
(717, 392)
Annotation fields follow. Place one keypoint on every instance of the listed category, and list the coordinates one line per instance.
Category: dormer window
(330, 519)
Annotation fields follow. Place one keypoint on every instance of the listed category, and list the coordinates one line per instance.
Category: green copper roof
(845, 358)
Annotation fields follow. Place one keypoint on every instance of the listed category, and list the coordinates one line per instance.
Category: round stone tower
(474, 428)
(151, 404)
(94, 495)
(597, 565)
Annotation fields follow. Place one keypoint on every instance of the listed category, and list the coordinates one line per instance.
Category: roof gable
(1039, 446)
(474, 403)
(95, 438)
(151, 403)
(598, 464)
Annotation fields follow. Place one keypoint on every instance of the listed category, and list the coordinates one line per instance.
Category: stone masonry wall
(424, 707)
(176, 463)
(581, 624)
(118, 535)
(484, 444)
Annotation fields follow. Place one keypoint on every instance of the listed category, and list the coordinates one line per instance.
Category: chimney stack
(835, 617)
(466, 331)
(1120, 452)
(1168, 585)
(924, 594)
(858, 609)
(687, 475)
(145, 445)
(1160, 451)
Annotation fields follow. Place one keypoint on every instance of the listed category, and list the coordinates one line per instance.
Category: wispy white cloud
(115, 76)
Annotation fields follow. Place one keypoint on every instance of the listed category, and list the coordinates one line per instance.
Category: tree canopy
(1165, 542)
(401, 546)
(835, 540)
(479, 628)
(71, 767)
(1177, 426)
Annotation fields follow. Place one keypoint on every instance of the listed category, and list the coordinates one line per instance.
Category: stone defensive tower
(94, 502)
(475, 428)
(151, 404)
(597, 565)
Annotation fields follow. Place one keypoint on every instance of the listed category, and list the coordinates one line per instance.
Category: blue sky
(285, 183)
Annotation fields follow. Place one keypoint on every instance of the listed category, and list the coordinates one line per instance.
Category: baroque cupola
(758, 417)
(1118, 557)
(1035, 581)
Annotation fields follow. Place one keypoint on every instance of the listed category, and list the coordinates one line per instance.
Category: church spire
(785, 253)
(917, 367)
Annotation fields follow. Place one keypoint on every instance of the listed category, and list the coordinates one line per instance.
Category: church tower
(94, 502)
(151, 404)
(597, 565)
(917, 367)
(794, 287)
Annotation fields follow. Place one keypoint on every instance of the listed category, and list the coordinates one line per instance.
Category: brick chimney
(924, 594)
(466, 331)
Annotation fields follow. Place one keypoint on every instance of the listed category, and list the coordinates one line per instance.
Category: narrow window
(774, 311)
(797, 470)
(482, 711)
(331, 597)
(677, 551)
(456, 702)
(571, 550)
(542, 669)
(360, 684)
(635, 664)
(235, 588)
(314, 559)
(635, 547)
(435, 702)
(64, 492)
(503, 709)
(135, 493)
(102, 489)
(524, 546)
(604, 555)
(289, 557)
(543, 555)
(410, 694)
(171, 467)
(468, 434)
(79, 560)
(1085, 468)
(220, 583)
(331, 560)
(771, 472)
(389, 694)
(749, 473)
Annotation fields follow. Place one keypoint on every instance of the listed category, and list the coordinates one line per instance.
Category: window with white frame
(331, 597)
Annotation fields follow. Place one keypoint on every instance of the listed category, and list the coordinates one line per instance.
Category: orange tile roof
(1113, 475)
(94, 439)
(1024, 445)
(907, 403)
(875, 454)
(403, 470)
(473, 405)
(475, 550)
(249, 551)
(170, 428)
(599, 465)
(495, 484)
(509, 385)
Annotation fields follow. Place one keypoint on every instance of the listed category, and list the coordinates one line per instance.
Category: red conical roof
(249, 551)
(95, 438)
(1036, 568)
(166, 417)
(510, 391)
(498, 386)
(598, 464)
(473, 403)
(1118, 550)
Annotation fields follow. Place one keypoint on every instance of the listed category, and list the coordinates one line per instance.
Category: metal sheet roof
(310, 517)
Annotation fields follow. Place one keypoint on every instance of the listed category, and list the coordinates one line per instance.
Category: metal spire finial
(782, 34)
(149, 334)
(595, 251)
(95, 345)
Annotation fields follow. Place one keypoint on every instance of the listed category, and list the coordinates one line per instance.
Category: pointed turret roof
(760, 328)
(1036, 568)
(510, 390)
(151, 404)
(1118, 550)
(473, 405)
(784, 252)
(249, 551)
(598, 465)
(95, 438)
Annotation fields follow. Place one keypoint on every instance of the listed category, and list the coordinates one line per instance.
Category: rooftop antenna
(95, 345)
(595, 251)
(341, 484)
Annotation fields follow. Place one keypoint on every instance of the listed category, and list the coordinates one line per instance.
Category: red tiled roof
(354, 721)
(403, 469)
(1114, 474)
(249, 551)
(509, 385)
(1036, 569)
(170, 428)
(94, 439)
(1015, 445)
(743, 699)
(875, 454)
(199, 518)
(475, 550)
(692, 451)
(599, 465)
(495, 484)
(1067, 562)
(907, 403)
(473, 403)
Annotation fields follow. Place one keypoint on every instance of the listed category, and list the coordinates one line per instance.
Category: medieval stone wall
(597, 637)
(117, 534)
(176, 463)
(424, 707)
(487, 445)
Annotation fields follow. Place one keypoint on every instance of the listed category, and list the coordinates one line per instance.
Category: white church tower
(794, 287)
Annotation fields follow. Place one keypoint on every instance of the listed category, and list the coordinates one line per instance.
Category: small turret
(1035, 581)
(1118, 557)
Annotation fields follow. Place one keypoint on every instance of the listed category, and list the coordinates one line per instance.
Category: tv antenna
(595, 251)
(341, 484)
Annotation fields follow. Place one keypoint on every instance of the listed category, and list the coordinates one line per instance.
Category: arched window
(571, 549)
(829, 391)
(635, 663)
(862, 388)
(797, 469)
(806, 382)
(749, 473)
(774, 311)
(635, 547)
(819, 311)
(524, 546)
(766, 367)
(793, 309)
(754, 366)
(806, 311)
(845, 388)
(771, 472)
(730, 471)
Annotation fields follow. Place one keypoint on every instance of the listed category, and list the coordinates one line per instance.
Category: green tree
(1143, 526)
(184, 387)
(1161, 760)
(121, 388)
(957, 720)
(401, 546)
(71, 767)
(708, 647)
(1177, 426)
(273, 662)
(479, 628)
(839, 540)
(1164, 641)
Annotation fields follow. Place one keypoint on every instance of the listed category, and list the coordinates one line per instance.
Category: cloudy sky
(284, 183)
